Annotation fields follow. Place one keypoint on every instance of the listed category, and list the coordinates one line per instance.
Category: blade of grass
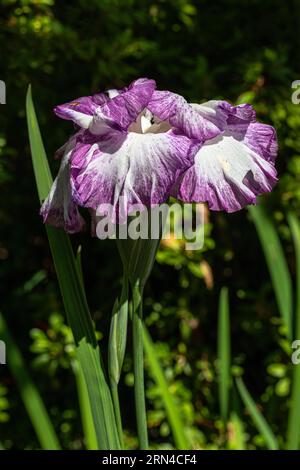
(257, 418)
(224, 353)
(276, 262)
(293, 434)
(31, 398)
(174, 419)
(74, 299)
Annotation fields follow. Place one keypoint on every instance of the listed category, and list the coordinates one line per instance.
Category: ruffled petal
(213, 112)
(243, 113)
(81, 110)
(123, 110)
(115, 109)
(262, 139)
(134, 170)
(59, 209)
(226, 116)
(242, 125)
(195, 121)
(227, 174)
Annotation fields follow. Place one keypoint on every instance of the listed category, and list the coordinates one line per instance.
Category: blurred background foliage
(239, 50)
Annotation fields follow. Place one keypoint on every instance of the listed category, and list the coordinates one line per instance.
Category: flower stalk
(138, 258)
(138, 365)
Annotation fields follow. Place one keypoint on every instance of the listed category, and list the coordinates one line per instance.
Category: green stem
(293, 433)
(138, 365)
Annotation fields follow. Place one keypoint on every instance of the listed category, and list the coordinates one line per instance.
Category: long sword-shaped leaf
(74, 299)
(175, 422)
(293, 435)
(43, 177)
(224, 353)
(257, 418)
(90, 437)
(276, 262)
(31, 398)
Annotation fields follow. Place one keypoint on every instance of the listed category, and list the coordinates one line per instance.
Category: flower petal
(195, 121)
(123, 110)
(139, 168)
(261, 138)
(227, 174)
(225, 116)
(237, 114)
(82, 109)
(59, 208)
(213, 112)
(241, 124)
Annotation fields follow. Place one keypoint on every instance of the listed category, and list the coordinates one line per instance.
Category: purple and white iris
(139, 146)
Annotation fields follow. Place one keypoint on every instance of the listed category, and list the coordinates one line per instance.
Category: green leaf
(118, 334)
(41, 168)
(174, 419)
(90, 436)
(224, 353)
(89, 432)
(293, 434)
(74, 299)
(116, 349)
(257, 418)
(276, 262)
(32, 400)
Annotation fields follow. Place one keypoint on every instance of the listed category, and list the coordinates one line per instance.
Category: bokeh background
(239, 50)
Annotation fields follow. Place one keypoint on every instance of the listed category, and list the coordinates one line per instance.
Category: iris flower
(141, 145)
